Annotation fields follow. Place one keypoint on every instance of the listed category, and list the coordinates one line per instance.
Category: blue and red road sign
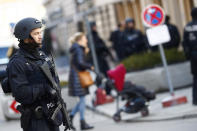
(153, 15)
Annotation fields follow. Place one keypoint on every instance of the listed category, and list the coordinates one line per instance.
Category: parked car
(3, 58)
(8, 104)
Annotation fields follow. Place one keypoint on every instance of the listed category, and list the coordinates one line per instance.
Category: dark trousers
(194, 91)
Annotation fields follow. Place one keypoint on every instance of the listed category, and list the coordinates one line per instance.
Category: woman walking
(78, 51)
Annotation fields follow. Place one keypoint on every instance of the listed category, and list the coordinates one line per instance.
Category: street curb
(187, 116)
(98, 112)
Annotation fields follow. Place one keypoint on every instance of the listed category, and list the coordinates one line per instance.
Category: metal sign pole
(166, 69)
(92, 47)
(156, 36)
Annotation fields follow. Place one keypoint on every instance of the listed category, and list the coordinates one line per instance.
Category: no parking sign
(153, 15)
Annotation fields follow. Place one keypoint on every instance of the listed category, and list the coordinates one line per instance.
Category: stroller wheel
(145, 112)
(117, 118)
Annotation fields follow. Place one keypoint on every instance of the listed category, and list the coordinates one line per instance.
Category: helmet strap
(31, 42)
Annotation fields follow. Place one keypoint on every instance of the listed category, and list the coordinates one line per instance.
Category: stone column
(99, 20)
(182, 12)
(126, 10)
(144, 3)
(112, 14)
(175, 9)
(195, 3)
(166, 6)
(137, 13)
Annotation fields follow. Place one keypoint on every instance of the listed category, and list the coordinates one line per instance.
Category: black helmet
(129, 20)
(92, 24)
(25, 26)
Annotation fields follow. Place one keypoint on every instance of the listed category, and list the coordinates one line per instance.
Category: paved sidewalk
(157, 112)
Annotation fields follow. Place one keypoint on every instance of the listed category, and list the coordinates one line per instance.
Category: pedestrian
(174, 35)
(190, 48)
(101, 52)
(78, 52)
(30, 87)
(116, 39)
(133, 39)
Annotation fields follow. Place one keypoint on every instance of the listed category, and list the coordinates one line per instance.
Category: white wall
(13, 11)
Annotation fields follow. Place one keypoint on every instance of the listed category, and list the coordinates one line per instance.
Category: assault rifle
(61, 104)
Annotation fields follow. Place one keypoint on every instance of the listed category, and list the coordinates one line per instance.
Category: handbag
(85, 79)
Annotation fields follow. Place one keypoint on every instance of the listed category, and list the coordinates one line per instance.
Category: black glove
(52, 93)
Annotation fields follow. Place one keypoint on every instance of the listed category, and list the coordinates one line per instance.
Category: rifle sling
(45, 68)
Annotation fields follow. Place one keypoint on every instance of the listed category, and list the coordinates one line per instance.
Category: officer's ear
(28, 40)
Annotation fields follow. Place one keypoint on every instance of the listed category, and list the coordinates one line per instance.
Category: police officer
(101, 52)
(30, 87)
(133, 39)
(190, 48)
(116, 39)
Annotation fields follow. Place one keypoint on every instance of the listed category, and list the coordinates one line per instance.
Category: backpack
(5, 86)
(5, 83)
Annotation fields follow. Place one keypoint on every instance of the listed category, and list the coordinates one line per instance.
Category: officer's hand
(187, 55)
(52, 93)
(92, 68)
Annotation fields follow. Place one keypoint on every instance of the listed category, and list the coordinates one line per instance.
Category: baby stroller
(136, 97)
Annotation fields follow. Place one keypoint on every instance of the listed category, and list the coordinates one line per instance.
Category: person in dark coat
(174, 35)
(133, 39)
(116, 39)
(101, 50)
(190, 48)
(78, 52)
(30, 87)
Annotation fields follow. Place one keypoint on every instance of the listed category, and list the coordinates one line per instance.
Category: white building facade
(109, 13)
(11, 11)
